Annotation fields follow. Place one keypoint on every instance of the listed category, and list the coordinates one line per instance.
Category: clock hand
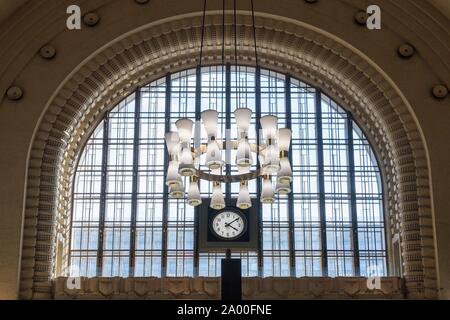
(228, 225)
(234, 221)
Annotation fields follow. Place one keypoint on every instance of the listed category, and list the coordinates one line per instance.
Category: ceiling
(443, 6)
(7, 7)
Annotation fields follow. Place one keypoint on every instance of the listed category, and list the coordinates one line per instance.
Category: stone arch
(173, 44)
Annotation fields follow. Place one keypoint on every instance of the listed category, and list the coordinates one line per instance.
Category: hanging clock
(228, 224)
(229, 228)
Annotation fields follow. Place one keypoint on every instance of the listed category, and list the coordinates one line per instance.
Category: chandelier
(269, 155)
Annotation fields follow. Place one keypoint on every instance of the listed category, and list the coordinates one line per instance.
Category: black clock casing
(244, 236)
(207, 241)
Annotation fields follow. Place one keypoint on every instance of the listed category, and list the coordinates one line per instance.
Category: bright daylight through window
(125, 224)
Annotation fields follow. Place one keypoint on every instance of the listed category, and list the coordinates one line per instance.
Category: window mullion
(197, 139)
(352, 178)
(137, 116)
(258, 181)
(321, 168)
(227, 129)
(168, 96)
(103, 195)
(291, 195)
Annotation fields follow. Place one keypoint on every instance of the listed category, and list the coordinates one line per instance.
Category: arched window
(124, 223)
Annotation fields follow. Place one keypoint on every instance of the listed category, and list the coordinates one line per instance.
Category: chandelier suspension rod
(223, 36)
(254, 33)
(223, 49)
(185, 159)
(203, 34)
(223, 32)
(238, 87)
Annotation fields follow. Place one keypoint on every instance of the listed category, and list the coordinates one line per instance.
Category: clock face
(229, 224)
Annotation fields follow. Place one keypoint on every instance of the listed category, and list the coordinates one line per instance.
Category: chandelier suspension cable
(223, 61)
(258, 142)
(272, 153)
(238, 87)
(203, 34)
(223, 42)
(254, 34)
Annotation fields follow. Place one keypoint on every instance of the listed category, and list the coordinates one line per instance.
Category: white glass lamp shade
(261, 163)
(244, 202)
(285, 173)
(261, 159)
(186, 156)
(173, 176)
(209, 118)
(284, 139)
(244, 157)
(194, 198)
(216, 172)
(213, 156)
(184, 127)
(243, 170)
(243, 117)
(186, 167)
(271, 162)
(267, 193)
(177, 192)
(269, 125)
(283, 188)
(217, 199)
(172, 143)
